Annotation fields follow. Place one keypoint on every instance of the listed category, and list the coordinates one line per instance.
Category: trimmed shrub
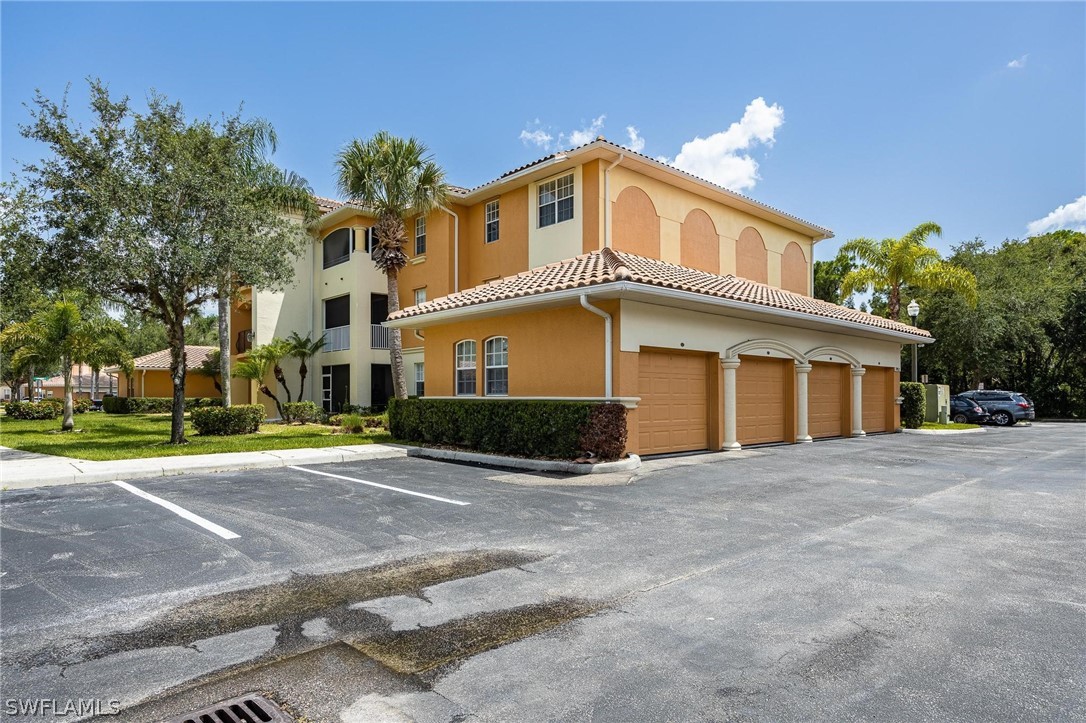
(529, 428)
(304, 412)
(44, 409)
(81, 406)
(913, 405)
(352, 423)
(605, 432)
(154, 405)
(219, 421)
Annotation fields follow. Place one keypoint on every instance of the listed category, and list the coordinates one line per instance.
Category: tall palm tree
(303, 348)
(392, 177)
(60, 335)
(275, 351)
(893, 263)
(255, 367)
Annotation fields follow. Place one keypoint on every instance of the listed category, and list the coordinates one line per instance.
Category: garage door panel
(674, 414)
(875, 398)
(825, 391)
(759, 400)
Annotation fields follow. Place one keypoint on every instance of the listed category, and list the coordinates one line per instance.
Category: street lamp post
(914, 311)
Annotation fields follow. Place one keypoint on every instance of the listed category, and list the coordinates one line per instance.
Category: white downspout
(607, 361)
(456, 248)
(607, 203)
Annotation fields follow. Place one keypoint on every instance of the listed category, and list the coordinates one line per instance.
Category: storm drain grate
(243, 709)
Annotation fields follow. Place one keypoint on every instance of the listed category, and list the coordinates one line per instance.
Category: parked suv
(1005, 407)
(964, 410)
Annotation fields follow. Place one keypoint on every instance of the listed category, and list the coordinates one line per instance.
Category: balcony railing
(337, 338)
(378, 336)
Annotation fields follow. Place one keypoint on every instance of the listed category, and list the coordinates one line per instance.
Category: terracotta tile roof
(327, 204)
(607, 266)
(194, 357)
(82, 377)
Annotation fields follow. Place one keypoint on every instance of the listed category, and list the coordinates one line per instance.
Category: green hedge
(238, 419)
(81, 405)
(304, 412)
(529, 428)
(154, 405)
(913, 405)
(45, 409)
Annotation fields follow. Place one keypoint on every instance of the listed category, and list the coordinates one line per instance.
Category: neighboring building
(82, 385)
(715, 341)
(151, 375)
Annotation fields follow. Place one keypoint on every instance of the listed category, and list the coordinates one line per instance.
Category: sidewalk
(20, 470)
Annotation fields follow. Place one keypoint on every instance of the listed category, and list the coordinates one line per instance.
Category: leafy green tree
(303, 348)
(62, 336)
(394, 177)
(256, 367)
(890, 265)
(828, 277)
(138, 205)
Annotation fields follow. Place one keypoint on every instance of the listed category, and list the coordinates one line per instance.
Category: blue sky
(874, 117)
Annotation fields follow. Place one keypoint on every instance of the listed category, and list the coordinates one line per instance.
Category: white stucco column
(802, 373)
(858, 402)
(731, 441)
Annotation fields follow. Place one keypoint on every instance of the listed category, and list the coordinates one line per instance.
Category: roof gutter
(617, 288)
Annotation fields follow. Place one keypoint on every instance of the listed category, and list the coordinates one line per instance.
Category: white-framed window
(556, 201)
(497, 366)
(465, 368)
(492, 211)
(420, 236)
(420, 379)
(420, 296)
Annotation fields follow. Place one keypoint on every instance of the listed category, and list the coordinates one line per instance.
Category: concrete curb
(535, 465)
(48, 472)
(943, 431)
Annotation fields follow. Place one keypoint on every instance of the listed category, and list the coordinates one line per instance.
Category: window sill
(418, 259)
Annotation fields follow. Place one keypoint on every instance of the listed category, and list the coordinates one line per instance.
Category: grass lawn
(949, 425)
(128, 436)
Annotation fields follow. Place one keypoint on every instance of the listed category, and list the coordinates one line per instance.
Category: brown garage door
(759, 399)
(875, 398)
(673, 415)
(825, 390)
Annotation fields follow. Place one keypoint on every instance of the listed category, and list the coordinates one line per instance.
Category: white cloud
(584, 135)
(1018, 62)
(720, 158)
(637, 143)
(1070, 216)
(535, 134)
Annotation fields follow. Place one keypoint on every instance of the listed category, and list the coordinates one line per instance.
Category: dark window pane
(565, 209)
(492, 232)
(465, 381)
(337, 312)
(337, 247)
(546, 215)
(497, 381)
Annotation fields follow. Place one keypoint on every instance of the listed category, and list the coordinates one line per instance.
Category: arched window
(497, 366)
(465, 368)
(337, 247)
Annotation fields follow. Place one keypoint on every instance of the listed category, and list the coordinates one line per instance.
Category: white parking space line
(180, 511)
(384, 487)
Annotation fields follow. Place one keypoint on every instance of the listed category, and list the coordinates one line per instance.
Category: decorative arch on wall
(794, 273)
(834, 351)
(751, 259)
(636, 225)
(699, 243)
(750, 345)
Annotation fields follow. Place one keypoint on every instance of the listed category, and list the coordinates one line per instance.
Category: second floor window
(465, 368)
(420, 296)
(497, 366)
(420, 236)
(337, 247)
(492, 222)
(556, 201)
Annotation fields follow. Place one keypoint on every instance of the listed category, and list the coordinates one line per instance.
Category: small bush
(334, 419)
(304, 412)
(44, 409)
(530, 428)
(219, 421)
(604, 434)
(352, 423)
(913, 405)
(81, 406)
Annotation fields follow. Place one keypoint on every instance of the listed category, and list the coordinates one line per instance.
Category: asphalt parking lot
(897, 577)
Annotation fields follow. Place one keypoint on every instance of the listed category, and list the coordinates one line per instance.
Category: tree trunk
(395, 344)
(69, 408)
(303, 371)
(94, 382)
(280, 377)
(268, 393)
(176, 333)
(894, 303)
(224, 343)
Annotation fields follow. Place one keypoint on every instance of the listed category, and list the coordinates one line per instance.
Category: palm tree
(303, 349)
(60, 335)
(255, 367)
(893, 263)
(275, 351)
(392, 177)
